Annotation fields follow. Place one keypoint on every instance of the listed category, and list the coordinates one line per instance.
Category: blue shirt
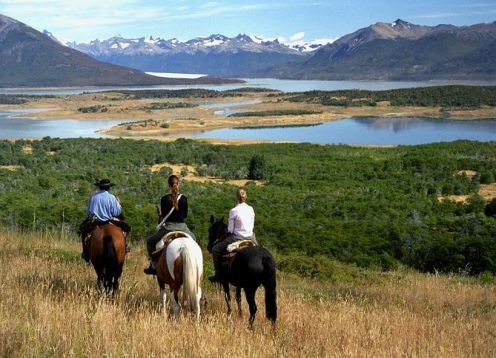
(104, 205)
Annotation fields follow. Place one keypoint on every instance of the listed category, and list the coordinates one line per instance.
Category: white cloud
(297, 36)
(85, 20)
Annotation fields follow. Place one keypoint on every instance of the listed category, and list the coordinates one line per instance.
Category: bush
(257, 168)
(490, 209)
(487, 178)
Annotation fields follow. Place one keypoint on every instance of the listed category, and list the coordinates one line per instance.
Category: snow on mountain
(212, 43)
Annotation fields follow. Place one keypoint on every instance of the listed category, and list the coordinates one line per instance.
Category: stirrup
(150, 271)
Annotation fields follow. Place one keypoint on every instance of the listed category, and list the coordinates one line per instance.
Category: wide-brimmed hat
(104, 183)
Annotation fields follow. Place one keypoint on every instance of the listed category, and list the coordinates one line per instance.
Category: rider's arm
(183, 207)
(232, 221)
(89, 209)
(116, 208)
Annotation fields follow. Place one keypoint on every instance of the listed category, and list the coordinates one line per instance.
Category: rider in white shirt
(240, 227)
(241, 220)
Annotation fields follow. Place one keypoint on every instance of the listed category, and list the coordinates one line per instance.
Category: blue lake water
(282, 85)
(15, 127)
(367, 131)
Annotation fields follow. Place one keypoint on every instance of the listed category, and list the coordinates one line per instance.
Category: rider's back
(104, 206)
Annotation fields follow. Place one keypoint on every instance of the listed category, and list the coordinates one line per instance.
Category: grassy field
(49, 307)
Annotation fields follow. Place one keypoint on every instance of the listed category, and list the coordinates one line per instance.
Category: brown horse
(180, 264)
(107, 249)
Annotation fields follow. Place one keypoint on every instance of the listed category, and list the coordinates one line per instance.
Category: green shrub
(490, 209)
(257, 169)
(486, 178)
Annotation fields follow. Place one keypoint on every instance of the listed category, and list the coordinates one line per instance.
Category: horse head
(218, 228)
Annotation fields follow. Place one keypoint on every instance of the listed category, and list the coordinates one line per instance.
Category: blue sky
(83, 20)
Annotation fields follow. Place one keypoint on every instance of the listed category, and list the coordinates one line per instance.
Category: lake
(366, 131)
(361, 131)
(17, 127)
(282, 85)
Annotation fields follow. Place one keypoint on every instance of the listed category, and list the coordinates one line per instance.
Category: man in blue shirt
(104, 205)
(102, 208)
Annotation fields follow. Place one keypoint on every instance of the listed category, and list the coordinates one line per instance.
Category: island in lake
(175, 113)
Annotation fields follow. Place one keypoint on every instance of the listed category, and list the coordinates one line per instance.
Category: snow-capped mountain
(214, 55)
(216, 43)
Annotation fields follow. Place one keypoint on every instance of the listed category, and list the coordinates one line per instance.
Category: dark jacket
(177, 216)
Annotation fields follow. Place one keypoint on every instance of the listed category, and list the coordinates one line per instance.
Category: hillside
(402, 51)
(368, 207)
(49, 306)
(216, 55)
(31, 58)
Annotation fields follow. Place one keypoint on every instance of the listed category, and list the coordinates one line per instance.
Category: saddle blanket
(238, 245)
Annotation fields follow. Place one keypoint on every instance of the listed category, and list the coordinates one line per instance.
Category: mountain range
(401, 51)
(217, 54)
(383, 51)
(31, 58)
(396, 50)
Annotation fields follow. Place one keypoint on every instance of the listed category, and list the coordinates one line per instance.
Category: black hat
(104, 183)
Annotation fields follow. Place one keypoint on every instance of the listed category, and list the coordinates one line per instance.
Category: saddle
(165, 241)
(234, 248)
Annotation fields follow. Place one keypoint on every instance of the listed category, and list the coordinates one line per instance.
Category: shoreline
(176, 117)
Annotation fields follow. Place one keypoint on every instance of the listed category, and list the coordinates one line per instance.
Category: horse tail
(269, 283)
(110, 262)
(191, 277)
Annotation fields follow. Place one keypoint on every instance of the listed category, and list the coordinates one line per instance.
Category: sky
(290, 20)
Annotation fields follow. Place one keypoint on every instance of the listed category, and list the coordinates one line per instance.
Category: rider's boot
(217, 278)
(150, 270)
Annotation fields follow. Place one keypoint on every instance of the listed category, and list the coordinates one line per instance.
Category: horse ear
(222, 220)
(212, 219)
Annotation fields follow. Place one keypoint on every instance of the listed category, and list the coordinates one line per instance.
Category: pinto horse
(180, 263)
(250, 268)
(107, 251)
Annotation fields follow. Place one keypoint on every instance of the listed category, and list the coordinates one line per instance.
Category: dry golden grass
(49, 307)
(486, 191)
(193, 176)
(11, 168)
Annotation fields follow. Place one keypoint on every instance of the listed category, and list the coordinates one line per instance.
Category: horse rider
(103, 207)
(172, 215)
(240, 227)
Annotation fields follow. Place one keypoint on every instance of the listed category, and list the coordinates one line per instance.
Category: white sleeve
(232, 220)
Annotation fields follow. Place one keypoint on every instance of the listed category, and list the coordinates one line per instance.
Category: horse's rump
(174, 249)
(107, 254)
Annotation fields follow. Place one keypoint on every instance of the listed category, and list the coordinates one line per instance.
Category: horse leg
(163, 298)
(238, 300)
(175, 306)
(227, 296)
(250, 298)
(198, 299)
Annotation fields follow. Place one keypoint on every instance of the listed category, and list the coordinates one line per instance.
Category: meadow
(49, 306)
(370, 207)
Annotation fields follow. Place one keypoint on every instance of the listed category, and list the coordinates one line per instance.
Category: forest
(369, 207)
(443, 96)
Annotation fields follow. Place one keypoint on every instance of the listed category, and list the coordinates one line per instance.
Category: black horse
(250, 268)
